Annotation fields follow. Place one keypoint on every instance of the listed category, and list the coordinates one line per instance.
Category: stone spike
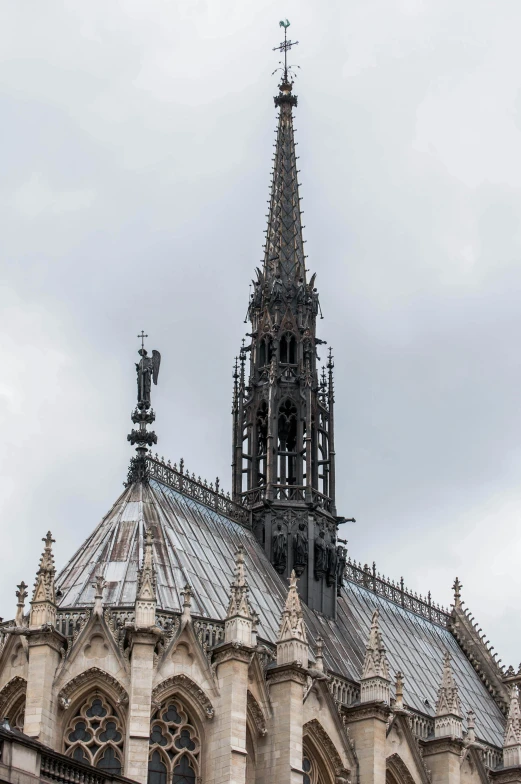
(187, 595)
(292, 643)
(21, 596)
(375, 681)
(43, 604)
(238, 624)
(448, 709)
(146, 586)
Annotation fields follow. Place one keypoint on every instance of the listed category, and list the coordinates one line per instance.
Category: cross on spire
(285, 47)
(142, 336)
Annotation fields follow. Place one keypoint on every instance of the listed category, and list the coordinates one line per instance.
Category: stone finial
(448, 709)
(43, 604)
(512, 740)
(398, 685)
(146, 586)
(319, 655)
(375, 682)
(254, 627)
(292, 642)
(238, 624)
(21, 596)
(187, 595)
(98, 585)
(457, 593)
(471, 727)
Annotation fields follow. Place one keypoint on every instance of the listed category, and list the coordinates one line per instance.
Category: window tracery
(174, 746)
(95, 735)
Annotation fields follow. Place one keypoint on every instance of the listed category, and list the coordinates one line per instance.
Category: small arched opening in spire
(261, 443)
(287, 444)
(288, 349)
(265, 350)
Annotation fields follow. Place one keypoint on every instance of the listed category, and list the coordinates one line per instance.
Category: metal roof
(196, 544)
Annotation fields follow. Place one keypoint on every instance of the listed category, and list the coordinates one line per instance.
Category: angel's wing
(156, 361)
(312, 281)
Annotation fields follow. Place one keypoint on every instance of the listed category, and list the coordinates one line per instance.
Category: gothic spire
(146, 586)
(43, 607)
(375, 681)
(239, 618)
(284, 263)
(292, 642)
(448, 709)
(147, 371)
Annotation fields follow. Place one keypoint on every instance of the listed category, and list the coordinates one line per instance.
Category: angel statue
(147, 370)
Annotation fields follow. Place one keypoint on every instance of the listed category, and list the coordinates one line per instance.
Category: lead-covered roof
(195, 544)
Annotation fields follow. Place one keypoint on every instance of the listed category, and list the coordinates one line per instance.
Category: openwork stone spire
(292, 642)
(146, 586)
(239, 618)
(375, 682)
(448, 709)
(43, 606)
(283, 467)
(512, 741)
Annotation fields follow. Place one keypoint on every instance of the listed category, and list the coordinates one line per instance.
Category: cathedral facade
(204, 638)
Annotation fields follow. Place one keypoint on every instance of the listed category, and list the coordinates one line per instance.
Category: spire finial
(457, 586)
(147, 371)
(375, 681)
(398, 685)
(43, 609)
(98, 585)
(21, 595)
(285, 46)
(187, 595)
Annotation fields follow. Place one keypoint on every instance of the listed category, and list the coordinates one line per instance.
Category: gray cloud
(137, 142)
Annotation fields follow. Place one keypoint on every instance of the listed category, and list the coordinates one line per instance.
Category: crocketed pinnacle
(292, 625)
(284, 254)
(375, 661)
(44, 584)
(239, 604)
(146, 576)
(513, 726)
(448, 698)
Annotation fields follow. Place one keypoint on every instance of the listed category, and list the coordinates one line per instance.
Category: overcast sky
(136, 145)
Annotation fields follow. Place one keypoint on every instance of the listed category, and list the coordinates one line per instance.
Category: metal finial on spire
(285, 47)
(147, 370)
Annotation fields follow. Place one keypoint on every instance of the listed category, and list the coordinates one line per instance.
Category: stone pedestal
(443, 758)
(139, 709)
(40, 708)
(368, 727)
(286, 684)
(227, 752)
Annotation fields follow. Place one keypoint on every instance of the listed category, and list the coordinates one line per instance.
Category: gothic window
(265, 351)
(288, 350)
(311, 771)
(95, 735)
(174, 746)
(287, 431)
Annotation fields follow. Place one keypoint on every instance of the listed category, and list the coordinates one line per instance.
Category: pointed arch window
(288, 349)
(265, 350)
(95, 735)
(287, 452)
(174, 746)
(261, 436)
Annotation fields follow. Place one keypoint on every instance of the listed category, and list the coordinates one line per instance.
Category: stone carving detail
(280, 550)
(322, 740)
(257, 715)
(320, 555)
(300, 549)
(93, 674)
(184, 683)
(10, 694)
